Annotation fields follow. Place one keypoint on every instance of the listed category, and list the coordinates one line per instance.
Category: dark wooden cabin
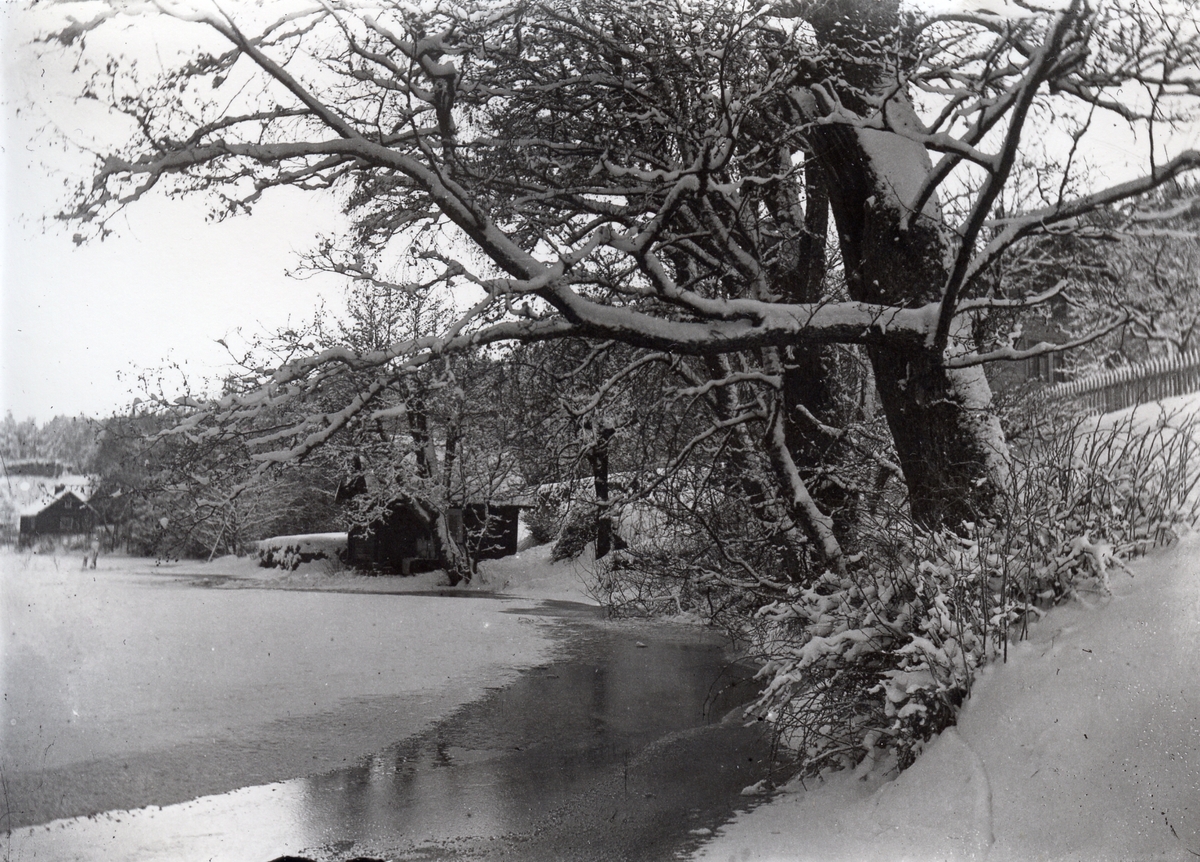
(402, 542)
(65, 515)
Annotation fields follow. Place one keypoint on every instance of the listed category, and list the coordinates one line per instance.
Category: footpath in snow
(1084, 746)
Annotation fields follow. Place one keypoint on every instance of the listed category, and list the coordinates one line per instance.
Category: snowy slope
(1084, 746)
(532, 574)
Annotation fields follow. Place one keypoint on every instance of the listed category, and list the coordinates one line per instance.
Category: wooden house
(63, 515)
(402, 541)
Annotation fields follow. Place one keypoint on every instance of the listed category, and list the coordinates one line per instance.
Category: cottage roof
(27, 495)
(36, 507)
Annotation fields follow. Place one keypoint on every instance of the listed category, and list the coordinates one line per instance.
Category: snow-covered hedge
(288, 552)
(875, 661)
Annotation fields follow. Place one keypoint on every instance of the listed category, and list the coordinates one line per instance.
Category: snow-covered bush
(880, 657)
(695, 542)
(543, 523)
(578, 530)
(690, 544)
(874, 661)
(288, 552)
(645, 583)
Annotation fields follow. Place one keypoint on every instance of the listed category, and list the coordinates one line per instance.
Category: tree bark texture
(949, 441)
(808, 375)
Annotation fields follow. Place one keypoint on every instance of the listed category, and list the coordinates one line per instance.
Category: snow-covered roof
(39, 505)
(28, 495)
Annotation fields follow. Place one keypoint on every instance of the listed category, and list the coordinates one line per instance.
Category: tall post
(598, 455)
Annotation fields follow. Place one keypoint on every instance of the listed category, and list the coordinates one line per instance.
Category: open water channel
(623, 745)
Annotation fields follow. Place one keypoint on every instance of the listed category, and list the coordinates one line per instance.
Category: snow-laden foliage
(288, 552)
(863, 666)
(878, 659)
(732, 188)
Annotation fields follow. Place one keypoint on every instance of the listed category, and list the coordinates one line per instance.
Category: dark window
(1047, 367)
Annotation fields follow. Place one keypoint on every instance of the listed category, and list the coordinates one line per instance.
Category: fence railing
(1133, 384)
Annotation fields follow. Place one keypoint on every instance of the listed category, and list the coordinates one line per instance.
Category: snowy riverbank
(529, 574)
(1084, 746)
(611, 746)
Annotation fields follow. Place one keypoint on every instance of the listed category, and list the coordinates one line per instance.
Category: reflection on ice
(505, 766)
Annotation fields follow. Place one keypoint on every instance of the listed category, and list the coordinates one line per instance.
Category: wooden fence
(1133, 384)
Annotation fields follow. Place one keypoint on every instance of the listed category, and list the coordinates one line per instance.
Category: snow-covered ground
(1145, 416)
(527, 574)
(1084, 746)
(531, 573)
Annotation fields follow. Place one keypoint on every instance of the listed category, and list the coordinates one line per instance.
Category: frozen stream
(249, 724)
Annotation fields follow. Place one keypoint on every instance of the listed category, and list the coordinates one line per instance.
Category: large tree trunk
(450, 548)
(949, 441)
(452, 555)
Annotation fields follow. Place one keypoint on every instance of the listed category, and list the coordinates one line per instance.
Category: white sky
(75, 323)
(74, 320)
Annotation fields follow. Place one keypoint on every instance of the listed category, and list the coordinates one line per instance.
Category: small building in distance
(45, 501)
(402, 540)
(60, 517)
(398, 542)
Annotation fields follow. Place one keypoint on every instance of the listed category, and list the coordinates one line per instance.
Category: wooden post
(598, 455)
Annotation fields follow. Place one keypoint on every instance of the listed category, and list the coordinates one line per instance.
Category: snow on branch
(606, 387)
(1012, 354)
(969, 305)
(1046, 59)
(1061, 216)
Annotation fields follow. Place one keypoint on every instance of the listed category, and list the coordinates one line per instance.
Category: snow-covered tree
(441, 437)
(1154, 277)
(741, 185)
(70, 440)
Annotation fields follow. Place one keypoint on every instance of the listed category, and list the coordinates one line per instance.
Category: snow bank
(532, 574)
(1084, 746)
(288, 552)
(1144, 417)
(528, 574)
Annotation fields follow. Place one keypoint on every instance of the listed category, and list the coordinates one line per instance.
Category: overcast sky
(76, 323)
(77, 320)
